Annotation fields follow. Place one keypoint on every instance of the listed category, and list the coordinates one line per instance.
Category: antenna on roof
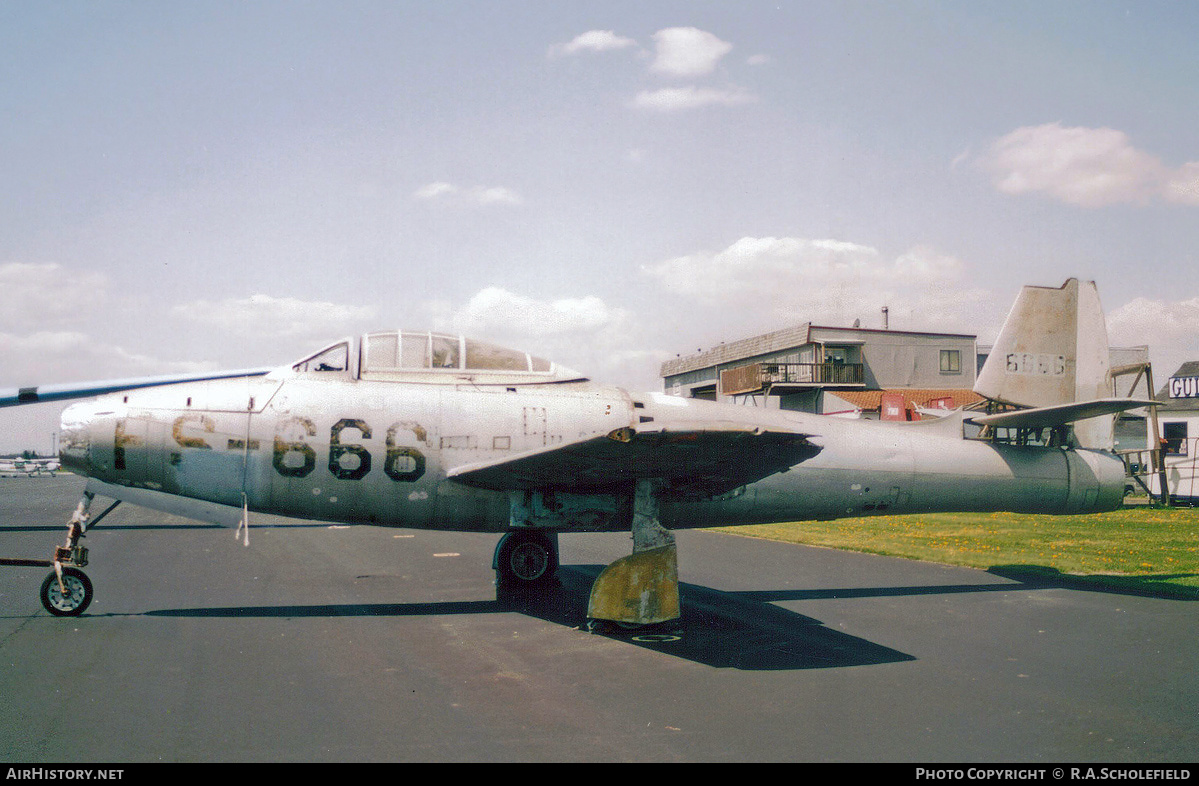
(886, 320)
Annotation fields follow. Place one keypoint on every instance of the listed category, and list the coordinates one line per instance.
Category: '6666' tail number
(294, 457)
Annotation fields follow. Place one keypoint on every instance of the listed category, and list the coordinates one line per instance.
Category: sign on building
(1184, 387)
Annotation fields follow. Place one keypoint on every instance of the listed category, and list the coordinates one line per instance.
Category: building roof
(870, 400)
(776, 341)
(738, 350)
(1188, 369)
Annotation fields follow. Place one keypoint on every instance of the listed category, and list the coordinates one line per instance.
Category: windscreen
(409, 350)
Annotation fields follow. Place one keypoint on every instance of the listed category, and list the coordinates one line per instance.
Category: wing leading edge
(701, 462)
(1060, 414)
(12, 397)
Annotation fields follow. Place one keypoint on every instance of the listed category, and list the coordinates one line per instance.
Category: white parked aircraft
(424, 430)
(28, 467)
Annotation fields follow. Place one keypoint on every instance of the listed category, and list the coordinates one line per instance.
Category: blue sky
(217, 185)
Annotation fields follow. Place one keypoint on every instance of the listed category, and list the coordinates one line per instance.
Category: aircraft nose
(75, 438)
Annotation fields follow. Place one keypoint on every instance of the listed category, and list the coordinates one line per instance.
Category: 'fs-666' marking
(294, 457)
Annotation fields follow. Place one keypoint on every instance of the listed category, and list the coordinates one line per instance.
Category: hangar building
(863, 372)
(889, 374)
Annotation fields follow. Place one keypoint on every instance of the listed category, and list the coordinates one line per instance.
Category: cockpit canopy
(431, 357)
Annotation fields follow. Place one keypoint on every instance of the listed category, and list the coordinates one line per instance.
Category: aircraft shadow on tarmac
(62, 528)
(741, 630)
(1149, 585)
(719, 629)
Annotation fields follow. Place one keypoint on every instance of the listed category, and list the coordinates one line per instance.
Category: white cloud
(494, 195)
(766, 283)
(1169, 328)
(754, 267)
(678, 98)
(37, 294)
(497, 311)
(1089, 167)
(288, 318)
(592, 41)
(925, 264)
(62, 325)
(679, 53)
(44, 357)
(687, 52)
(441, 191)
(1184, 185)
(435, 190)
(585, 333)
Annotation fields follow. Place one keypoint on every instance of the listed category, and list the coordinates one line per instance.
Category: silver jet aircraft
(432, 431)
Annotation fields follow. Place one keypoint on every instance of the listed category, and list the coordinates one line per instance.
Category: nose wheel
(66, 592)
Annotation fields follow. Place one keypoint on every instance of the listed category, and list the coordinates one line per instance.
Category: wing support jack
(642, 588)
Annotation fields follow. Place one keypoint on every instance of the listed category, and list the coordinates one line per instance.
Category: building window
(1175, 436)
(951, 361)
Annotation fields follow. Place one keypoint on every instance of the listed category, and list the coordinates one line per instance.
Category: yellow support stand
(642, 588)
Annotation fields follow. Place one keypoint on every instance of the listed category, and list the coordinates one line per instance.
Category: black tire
(78, 597)
(526, 559)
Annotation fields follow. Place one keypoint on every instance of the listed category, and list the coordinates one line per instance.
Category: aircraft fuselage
(377, 452)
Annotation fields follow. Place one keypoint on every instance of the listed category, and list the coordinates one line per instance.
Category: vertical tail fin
(1053, 350)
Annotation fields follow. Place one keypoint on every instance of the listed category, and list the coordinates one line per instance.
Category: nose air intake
(74, 445)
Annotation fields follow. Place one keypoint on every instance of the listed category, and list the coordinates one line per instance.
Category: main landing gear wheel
(72, 602)
(525, 559)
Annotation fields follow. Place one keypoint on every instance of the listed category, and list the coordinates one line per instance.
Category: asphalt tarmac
(320, 643)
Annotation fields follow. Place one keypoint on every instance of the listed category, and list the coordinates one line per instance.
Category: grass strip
(1140, 549)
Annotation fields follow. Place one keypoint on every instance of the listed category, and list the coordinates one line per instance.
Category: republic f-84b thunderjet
(425, 430)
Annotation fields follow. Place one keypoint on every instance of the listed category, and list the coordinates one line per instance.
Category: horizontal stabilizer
(693, 461)
(11, 397)
(1060, 414)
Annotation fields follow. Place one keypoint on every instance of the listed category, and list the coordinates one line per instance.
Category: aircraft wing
(693, 460)
(1042, 417)
(11, 397)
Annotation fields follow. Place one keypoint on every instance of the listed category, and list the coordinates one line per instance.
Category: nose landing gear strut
(67, 591)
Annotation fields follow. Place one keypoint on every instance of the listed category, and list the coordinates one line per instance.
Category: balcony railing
(758, 376)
